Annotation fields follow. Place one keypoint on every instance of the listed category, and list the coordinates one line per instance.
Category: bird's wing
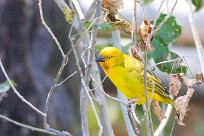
(136, 67)
(133, 65)
(153, 80)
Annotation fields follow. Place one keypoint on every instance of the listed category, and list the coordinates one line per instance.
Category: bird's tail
(170, 101)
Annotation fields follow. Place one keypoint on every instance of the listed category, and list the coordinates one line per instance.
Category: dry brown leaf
(157, 110)
(144, 30)
(110, 11)
(135, 52)
(183, 101)
(175, 84)
(199, 78)
(112, 7)
(142, 35)
(182, 105)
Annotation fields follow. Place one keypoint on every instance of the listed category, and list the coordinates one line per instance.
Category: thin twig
(26, 126)
(64, 62)
(45, 122)
(154, 23)
(17, 93)
(82, 35)
(134, 24)
(167, 61)
(146, 107)
(59, 133)
(149, 124)
(98, 85)
(90, 60)
(48, 28)
(66, 78)
(165, 19)
(84, 118)
(94, 109)
(196, 36)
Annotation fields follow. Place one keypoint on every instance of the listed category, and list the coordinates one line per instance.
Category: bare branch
(18, 94)
(66, 78)
(83, 100)
(149, 125)
(26, 126)
(98, 86)
(64, 62)
(90, 60)
(134, 24)
(48, 28)
(59, 133)
(85, 90)
(196, 36)
(93, 107)
(165, 19)
(167, 61)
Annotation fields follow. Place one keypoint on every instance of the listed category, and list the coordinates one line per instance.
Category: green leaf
(161, 50)
(170, 30)
(4, 87)
(164, 36)
(198, 4)
(174, 66)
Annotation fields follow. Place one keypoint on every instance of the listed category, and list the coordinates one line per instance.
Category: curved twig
(17, 93)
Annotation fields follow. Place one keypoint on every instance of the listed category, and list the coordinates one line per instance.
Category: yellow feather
(126, 73)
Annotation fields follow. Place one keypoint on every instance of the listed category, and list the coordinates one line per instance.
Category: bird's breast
(126, 82)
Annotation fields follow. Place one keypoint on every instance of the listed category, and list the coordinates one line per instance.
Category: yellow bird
(127, 74)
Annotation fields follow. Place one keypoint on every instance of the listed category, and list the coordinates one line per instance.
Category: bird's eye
(109, 57)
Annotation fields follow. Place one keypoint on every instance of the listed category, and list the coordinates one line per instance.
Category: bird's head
(110, 56)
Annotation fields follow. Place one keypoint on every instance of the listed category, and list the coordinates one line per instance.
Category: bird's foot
(132, 104)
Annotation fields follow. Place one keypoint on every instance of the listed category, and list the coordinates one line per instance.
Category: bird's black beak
(100, 58)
